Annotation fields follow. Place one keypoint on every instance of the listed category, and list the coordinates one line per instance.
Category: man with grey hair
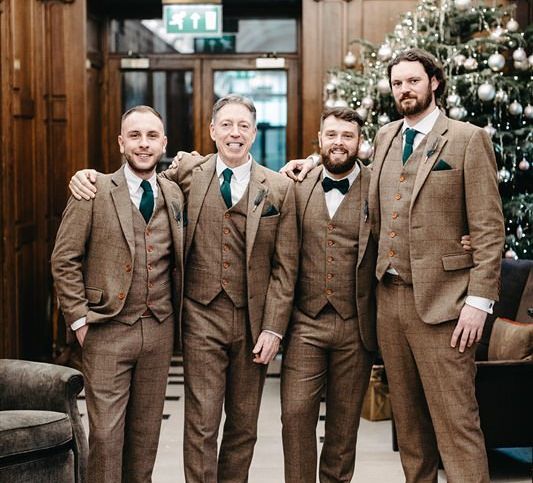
(241, 256)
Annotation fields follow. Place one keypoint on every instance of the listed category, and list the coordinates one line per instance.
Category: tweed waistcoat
(217, 257)
(396, 185)
(328, 257)
(151, 282)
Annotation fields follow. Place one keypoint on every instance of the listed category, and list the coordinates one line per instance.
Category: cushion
(23, 431)
(511, 340)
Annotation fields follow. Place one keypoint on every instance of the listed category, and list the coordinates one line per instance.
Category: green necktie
(225, 187)
(410, 135)
(147, 201)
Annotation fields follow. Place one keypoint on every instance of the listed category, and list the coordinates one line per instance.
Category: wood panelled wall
(327, 28)
(44, 138)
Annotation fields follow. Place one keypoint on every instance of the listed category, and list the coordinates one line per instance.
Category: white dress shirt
(136, 192)
(239, 180)
(334, 197)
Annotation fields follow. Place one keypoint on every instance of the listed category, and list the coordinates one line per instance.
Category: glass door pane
(268, 90)
(170, 92)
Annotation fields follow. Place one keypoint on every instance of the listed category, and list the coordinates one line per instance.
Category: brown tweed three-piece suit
(240, 273)
(419, 214)
(332, 335)
(125, 276)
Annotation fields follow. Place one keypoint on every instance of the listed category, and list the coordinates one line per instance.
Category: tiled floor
(376, 462)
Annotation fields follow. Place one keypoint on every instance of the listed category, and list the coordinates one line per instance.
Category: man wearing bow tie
(332, 334)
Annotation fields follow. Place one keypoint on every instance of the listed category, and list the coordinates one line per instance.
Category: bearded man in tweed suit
(241, 263)
(332, 335)
(117, 266)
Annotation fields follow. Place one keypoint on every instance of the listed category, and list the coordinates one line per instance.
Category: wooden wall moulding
(57, 1)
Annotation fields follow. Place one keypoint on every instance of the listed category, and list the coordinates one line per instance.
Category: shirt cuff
(274, 333)
(480, 303)
(78, 324)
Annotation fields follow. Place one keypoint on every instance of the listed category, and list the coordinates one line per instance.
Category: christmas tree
(490, 84)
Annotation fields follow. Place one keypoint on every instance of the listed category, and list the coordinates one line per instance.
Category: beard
(420, 105)
(336, 167)
(136, 168)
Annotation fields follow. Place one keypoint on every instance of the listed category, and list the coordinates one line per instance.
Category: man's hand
(466, 242)
(176, 161)
(82, 184)
(81, 333)
(295, 165)
(469, 327)
(266, 348)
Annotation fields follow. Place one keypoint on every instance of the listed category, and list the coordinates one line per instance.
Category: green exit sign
(195, 20)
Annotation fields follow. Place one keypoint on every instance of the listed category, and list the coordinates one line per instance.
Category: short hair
(234, 99)
(431, 65)
(140, 108)
(345, 113)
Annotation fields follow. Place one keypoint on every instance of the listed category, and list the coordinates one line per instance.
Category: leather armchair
(41, 433)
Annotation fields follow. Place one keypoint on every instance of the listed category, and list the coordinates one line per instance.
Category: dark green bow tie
(343, 185)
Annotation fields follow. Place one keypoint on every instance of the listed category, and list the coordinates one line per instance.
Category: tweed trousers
(125, 368)
(432, 392)
(320, 352)
(219, 372)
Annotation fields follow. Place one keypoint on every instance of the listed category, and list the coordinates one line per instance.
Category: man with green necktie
(117, 266)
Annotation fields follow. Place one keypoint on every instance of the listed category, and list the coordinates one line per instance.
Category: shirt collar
(134, 182)
(351, 176)
(425, 125)
(240, 173)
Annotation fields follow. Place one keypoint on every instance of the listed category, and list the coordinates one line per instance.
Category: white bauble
(511, 254)
(501, 96)
(512, 25)
(367, 102)
(330, 102)
(470, 63)
(496, 62)
(362, 113)
(331, 87)
(349, 59)
(462, 5)
(457, 113)
(340, 103)
(383, 86)
(365, 150)
(490, 129)
(519, 54)
(383, 119)
(459, 60)
(523, 165)
(519, 232)
(528, 112)
(453, 100)
(385, 53)
(515, 108)
(504, 176)
(521, 65)
(530, 60)
(486, 92)
(497, 34)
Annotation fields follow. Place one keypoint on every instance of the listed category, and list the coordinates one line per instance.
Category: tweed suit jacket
(446, 204)
(94, 251)
(271, 240)
(364, 289)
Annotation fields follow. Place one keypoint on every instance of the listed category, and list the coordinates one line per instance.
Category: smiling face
(233, 130)
(339, 142)
(412, 89)
(142, 142)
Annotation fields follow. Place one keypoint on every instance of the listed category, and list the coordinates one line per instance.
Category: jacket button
(329, 276)
(329, 291)
(392, 234)
(330, 259)
(394, 215)
(224, 281)
(225, 264)
(121, 296)
(331, 243)
(149, 266)
(402, 178)
(226, 231)
(128, 267)
(227, 215)
(398, 196)
(392, 253)
(150, 249)
(225, 247)
(331, 227)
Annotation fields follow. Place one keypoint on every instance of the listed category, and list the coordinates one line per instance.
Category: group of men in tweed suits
(246, 233)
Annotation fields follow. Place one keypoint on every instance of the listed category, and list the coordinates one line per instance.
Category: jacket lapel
(434, 145)
(122, 201)
(257, 195)
(201, 179)
(175, 216)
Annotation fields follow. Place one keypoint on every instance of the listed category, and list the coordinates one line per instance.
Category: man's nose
(235, 130)
(143, 141)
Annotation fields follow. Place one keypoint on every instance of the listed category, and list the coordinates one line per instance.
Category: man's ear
(319, 140)
(434, 83)
(212, 131)
(120, 144)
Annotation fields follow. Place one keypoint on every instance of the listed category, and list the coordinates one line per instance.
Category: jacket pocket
(457, 262)
(94, 295)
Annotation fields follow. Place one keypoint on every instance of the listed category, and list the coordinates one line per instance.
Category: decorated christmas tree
(490, 83)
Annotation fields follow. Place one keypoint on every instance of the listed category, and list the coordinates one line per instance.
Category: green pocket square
(441, 166)
(270, 210)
